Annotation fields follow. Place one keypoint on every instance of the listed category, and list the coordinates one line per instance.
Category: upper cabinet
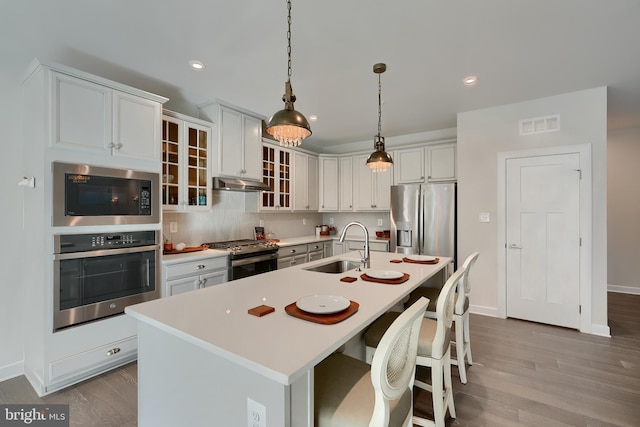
(239, 141)
(186, 154)
(276, 173)
(429, 163)
(409, 165)
(345, 179)
(305, 182)
(372, 190)
(90, 116)
(328, 188)
(442, 162)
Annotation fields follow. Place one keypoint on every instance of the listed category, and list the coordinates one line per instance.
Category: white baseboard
(600, 330)
(633, 290)
(11, 371)
(485, 311)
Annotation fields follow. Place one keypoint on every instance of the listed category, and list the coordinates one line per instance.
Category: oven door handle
(106, 252)
(253, 260)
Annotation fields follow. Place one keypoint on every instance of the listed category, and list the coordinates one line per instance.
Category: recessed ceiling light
(196, 65)
(470, 80)
(313, 117)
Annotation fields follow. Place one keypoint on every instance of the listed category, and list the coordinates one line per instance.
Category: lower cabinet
(292, 255)
(191, 275)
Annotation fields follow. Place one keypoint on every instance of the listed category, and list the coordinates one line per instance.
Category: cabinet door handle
(113, 351)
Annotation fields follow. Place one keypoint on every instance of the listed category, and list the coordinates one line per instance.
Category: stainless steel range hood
(238, 184)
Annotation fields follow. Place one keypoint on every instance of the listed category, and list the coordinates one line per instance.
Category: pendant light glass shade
(288, 126)
(379, 160)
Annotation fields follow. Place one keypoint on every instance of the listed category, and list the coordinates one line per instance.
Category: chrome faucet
(366, 260)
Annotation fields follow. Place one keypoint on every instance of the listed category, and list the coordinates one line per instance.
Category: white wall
(623, 201)
(12, 251)
(482, 134)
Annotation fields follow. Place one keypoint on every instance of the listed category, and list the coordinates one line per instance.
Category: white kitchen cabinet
(372, 189)
(191, 275)
(73, 116)
(408, 165)
(338, 247)
(315, 251)
(292, 255)
(328, 249)
(358, 245)
(328, 184)
(345, 187)
(305, 182)
(277, 174)
(93, 117)
(239, 138)
(186, 157)
(441, 160)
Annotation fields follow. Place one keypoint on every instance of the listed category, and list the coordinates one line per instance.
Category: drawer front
(110, 354)
(316, 255)
(314, 247)
(175, 271)
(292, 250)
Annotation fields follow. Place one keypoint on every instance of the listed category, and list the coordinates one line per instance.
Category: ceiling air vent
(540, 125)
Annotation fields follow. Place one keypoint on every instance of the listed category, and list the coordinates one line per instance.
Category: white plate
(323, 304)
(384, 274)
(421, 257)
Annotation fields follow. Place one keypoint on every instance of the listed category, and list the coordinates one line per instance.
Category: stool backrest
(394, 362)
(444, 314)
(464, 289)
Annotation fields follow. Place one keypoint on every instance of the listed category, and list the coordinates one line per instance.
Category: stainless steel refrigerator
(423, 219)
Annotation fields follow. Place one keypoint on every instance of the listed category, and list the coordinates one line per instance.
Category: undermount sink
(336, 266)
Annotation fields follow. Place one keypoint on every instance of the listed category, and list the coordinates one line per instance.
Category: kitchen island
(203, 360)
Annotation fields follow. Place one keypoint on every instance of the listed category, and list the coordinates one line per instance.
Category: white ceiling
(519, 49)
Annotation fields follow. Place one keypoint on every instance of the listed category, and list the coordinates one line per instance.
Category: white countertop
(193, 256)
(277, 345)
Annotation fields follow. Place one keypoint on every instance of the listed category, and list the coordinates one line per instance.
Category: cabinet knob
(293, 251)
(200, 266)
(113, 351)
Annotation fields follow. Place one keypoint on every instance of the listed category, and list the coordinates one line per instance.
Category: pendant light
(288, 126)
(379, 160)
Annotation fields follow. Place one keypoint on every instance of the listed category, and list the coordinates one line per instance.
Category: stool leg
(467, 338)
(437, 387)
(448, 386)
(460, 348)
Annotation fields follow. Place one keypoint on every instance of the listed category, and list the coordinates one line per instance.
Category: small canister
(318, 230)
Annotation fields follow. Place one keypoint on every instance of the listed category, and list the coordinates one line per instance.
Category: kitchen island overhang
(270, 359)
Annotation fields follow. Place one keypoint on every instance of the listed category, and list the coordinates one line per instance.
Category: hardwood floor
(524, 374)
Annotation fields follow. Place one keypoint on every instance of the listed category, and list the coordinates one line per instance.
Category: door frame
(586, 221)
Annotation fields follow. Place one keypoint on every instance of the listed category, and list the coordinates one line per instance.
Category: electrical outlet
(173, 227)
(262, 223)
(379, 221)
(331, 221)
(304, 221)
(256, 414)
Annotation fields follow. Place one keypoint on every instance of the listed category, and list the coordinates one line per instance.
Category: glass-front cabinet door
(186, 149)
(276, 173)
(197, 152)
(171, 159)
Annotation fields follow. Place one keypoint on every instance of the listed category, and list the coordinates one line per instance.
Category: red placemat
(413, 261)
(396, 261)
(397, 281)
(349, 279)
(324, 319)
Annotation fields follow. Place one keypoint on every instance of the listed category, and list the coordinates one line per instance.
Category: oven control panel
(68, 243)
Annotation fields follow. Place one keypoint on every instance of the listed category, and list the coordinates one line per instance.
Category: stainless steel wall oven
(97, 275)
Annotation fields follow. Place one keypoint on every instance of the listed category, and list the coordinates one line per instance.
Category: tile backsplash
(227, 220)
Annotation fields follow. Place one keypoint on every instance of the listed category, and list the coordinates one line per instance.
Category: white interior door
(543, 239)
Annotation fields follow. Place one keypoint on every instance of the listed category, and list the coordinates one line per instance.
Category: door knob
(514, 246)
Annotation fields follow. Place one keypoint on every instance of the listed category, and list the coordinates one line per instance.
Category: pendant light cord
(379, 106)
(289, 41)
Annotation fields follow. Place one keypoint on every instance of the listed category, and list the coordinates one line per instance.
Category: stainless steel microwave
(93, 195)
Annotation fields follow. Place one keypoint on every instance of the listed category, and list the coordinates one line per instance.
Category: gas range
(245, 247)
